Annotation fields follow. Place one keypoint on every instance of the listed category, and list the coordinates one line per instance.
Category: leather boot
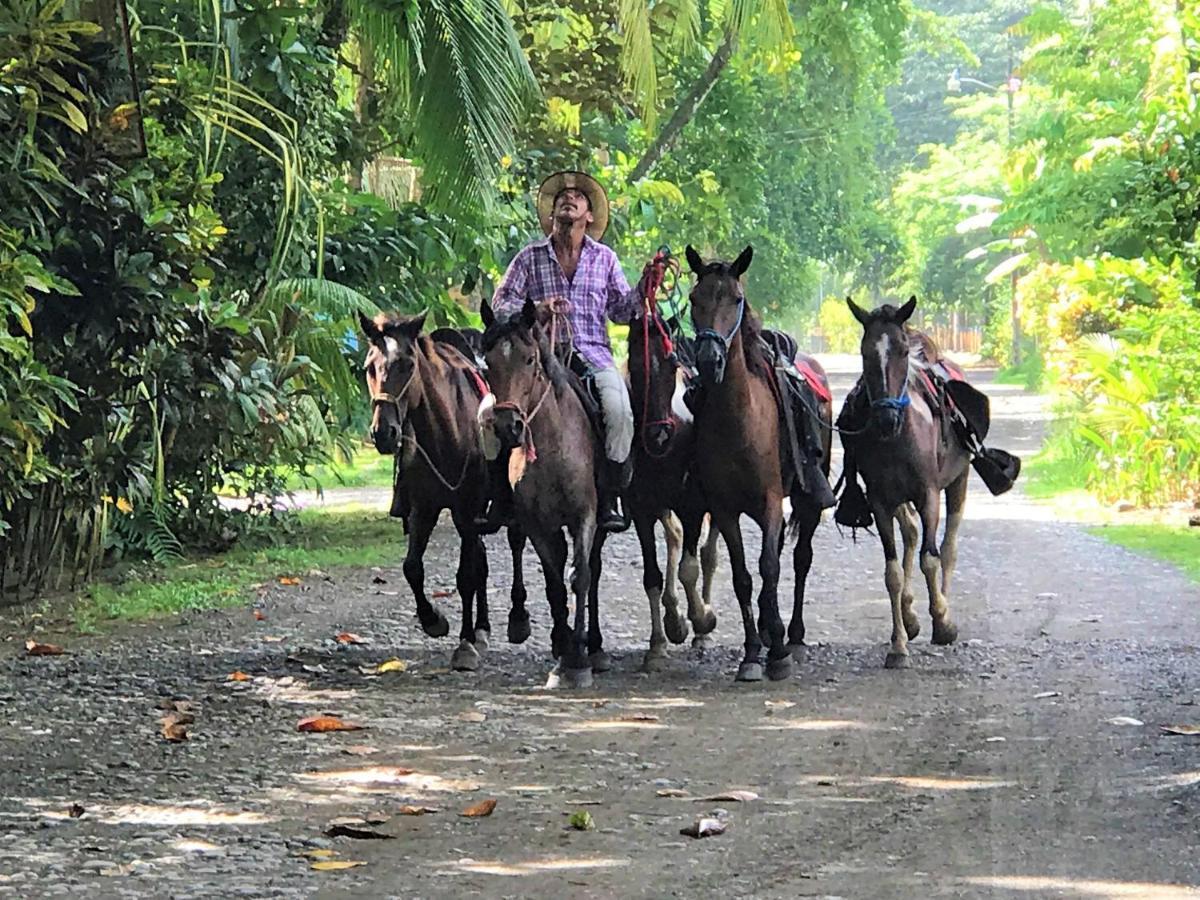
(616, 479)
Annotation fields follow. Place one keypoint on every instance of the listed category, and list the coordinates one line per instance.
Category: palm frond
(320, 297)
(637, 56)
(769, 21)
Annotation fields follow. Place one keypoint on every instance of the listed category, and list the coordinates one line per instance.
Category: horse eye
(529, 361)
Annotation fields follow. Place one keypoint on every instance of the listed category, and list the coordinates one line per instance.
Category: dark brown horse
(908, 454)
(663, 451)
(543, 426)
(425, 396)
(738, 458)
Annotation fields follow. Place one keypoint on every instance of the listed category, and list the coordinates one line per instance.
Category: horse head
(885, 357)
(393, 375)
(516, 354)
(718, 311)
(652, 373)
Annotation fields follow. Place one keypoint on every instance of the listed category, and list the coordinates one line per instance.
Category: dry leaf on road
(408, 810)
(76, 811)
(442, 595)
(288, 580)
(327, 723)
(360, 830)
(471, 716)
(335, 865)
(174, 726)
(360, 750)
(33, 648)
(260, 615)
(349, 637)
(639, 717)
(238, 676)
(391, 665)
(670, 792)
(730, 796)
(479, 810)
(1181, 729)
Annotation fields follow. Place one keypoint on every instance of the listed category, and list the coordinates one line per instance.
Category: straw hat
(560, 181)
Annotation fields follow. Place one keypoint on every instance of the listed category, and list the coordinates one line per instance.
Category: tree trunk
(686, 109)
(362, 99)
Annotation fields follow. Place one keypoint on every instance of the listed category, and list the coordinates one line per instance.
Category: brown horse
(425, 396)
(908, 454)
(663, 449)
(543, 427)
(738, 458)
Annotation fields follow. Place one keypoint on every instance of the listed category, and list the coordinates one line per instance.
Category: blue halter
(708, 334)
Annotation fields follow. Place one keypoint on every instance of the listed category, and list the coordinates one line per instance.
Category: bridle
(661, 263)
(898, 403)
(709, 334)
(526, 419)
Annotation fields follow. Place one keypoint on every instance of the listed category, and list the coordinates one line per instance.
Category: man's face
(571, 206)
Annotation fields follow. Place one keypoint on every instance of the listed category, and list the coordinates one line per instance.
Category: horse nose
(712, 370)
(888, 422)
(510, 428)
(386, 437)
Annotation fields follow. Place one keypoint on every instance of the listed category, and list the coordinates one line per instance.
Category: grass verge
(1179, 546)
(315, 539)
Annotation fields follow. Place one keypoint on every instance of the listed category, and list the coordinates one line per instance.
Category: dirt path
(1014, 763)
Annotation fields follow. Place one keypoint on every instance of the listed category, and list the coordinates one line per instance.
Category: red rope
(654, 281)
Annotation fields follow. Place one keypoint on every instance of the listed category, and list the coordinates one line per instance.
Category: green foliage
(1178, 546)
(841, 330)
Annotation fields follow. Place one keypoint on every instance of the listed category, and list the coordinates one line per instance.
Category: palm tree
(463, 82)
(769, 21)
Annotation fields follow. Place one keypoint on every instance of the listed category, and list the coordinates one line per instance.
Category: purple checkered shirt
(598, 290)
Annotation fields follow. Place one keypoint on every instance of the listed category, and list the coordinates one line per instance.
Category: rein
(560, 321)
(662, 261)
(527, 418)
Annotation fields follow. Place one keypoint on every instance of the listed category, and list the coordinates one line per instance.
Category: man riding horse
(583, 282)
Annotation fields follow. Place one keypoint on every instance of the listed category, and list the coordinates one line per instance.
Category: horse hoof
(947, 633)
(897, 660)
(707, 623)
(675, 627)
(481, 640)
(655, 660)
(518, 629)
(575, 678)
(465, 658)
(600, 661)
(797, 649)
(437, 626)
(750, 671)
(912, 628)
(779, 669)
(701, 642)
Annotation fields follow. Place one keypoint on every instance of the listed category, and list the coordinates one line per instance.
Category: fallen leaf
(471, 716)
(479, 810)
(585, 802)
(407, 810)
(702, 828)
(581, 820)
(76, 811)
(260, 615)
(671, 792)
(360, 832)
(318, 669)
(442, 595)
(33, 648)
(334, 865)
(174, 726)
(320, 854)
(391, 665)
(1181, 729)
(1125, 720)
(360, 750)
(730, 796)
(995, 740)
(288, 580)
(326, 723)
(778, 704)
(1091, 620)
(371, 818)
(271, 639)
(349, 637)
(639, 717)
(238, 676)
(1045, 695)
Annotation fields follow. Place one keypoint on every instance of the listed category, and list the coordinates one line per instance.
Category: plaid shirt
(598, 290)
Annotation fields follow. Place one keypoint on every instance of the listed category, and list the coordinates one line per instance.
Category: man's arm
(623, 301)
(513, 287)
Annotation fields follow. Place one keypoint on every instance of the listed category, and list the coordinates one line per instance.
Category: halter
(709, 334)
(899, 404)
(527, 418)
(394, 399)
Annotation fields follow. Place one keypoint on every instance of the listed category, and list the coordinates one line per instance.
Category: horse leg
(779, 657)
(944, 631)
(676, 628)
(751, 668)
(807, 518)
(907, 520)
(576, 668)
(893, 577)
(421, 522)
(700, 613)
(466, 658)
(518, 615)
(599, 660)
(483, 624)
(552, 552)
(652, 582)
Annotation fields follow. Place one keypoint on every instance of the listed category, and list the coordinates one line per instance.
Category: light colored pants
(618, 413)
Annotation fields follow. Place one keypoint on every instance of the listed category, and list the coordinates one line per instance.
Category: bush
(842, 332)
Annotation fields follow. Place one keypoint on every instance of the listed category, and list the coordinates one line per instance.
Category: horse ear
(859, 313)
(906, 310)
(694, 260)
(370, 329)
(412, 328)
(529, 313)
(487, 314)
(742, 263)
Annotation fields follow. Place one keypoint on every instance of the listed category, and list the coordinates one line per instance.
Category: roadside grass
(365, 468)
(1057, 477)
(346, 536)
